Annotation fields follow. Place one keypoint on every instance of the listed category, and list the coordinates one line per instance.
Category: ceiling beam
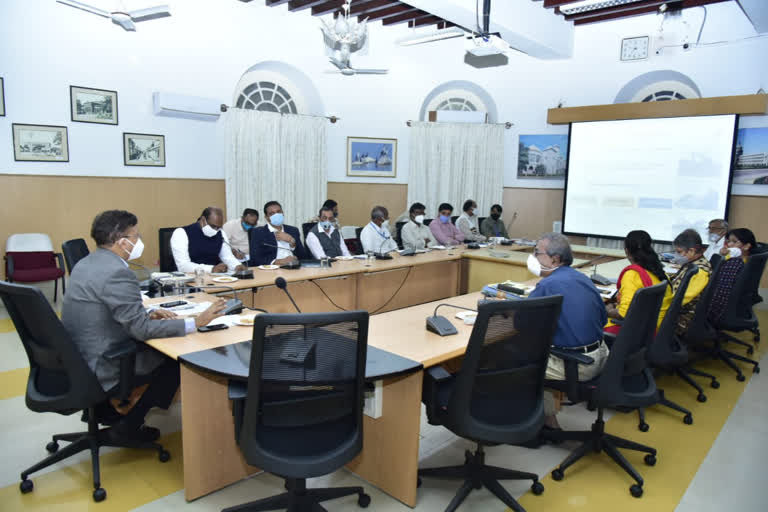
(327, 7)
(403, 18)
(548, 4)
(428, 20)
(300, 5)
(653, 4)
(371, 6)
(271, 3)
(383, 13)
(640, 8)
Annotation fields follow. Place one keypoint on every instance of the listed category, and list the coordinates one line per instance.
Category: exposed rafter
(624, 10)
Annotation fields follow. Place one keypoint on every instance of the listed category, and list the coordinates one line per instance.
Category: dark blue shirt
(583, 314)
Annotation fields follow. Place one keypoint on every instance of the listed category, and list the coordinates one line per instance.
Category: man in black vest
(204, 245)
(324, 239)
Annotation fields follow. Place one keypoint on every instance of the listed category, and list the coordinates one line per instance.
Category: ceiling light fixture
(446, 33)
(592, 5)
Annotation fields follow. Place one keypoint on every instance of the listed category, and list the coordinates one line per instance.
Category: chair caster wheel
(26, 486)
(688, 419)
(418, 482)
(650, 460)
(714, 384)
(557, 474)
(702, 397)
(643, 427)
(741, 378)
(99, 495)
(537, 488)
(363, 500)
(164, 456)
(636, 491)
(756, 369)
(52, 447)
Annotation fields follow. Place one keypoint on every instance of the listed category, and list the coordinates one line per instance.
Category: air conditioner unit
(186, 107)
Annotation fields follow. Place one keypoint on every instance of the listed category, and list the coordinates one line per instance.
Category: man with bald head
(204, 245)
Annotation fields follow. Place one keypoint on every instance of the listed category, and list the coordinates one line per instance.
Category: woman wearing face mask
(739, 243)
(689, 251)
(645, 269)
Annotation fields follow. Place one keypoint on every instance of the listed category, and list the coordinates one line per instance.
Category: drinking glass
(369, 257)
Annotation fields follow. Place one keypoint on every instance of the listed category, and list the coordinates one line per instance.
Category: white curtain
(280, 157)
(453, 162)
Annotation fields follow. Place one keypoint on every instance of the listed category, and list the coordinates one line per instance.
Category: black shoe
(132, 433)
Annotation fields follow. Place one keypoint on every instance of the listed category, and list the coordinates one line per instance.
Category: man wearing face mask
(324, 240)
(334, 206)
(277, 243)
(203, 245)
(467, 222)
(443, 229)
(237, 230)
(689, 252)
(103, 311)
(580, 326)
(493, 226)
(376, 237)
(415, 234)
(716, 231)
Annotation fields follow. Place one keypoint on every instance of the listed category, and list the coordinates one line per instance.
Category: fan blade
(85, 7)
(150, 13)
(370, 71)
(337, 64)
(124, 21)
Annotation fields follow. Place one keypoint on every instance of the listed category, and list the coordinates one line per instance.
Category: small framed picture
(144, 149)
(372, 158)
(40, 143)
(93, 105)
(2, 97)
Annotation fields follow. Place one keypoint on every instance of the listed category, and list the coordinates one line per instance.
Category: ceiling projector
(483, 46)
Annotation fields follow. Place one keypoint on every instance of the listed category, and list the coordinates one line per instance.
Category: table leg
(212, 459)
(390, 456)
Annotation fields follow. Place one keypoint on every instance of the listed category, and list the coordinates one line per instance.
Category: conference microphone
(299, 352)
(383, 256)
(296, 264)
(441, 325)
(153, 285)
(234, 305)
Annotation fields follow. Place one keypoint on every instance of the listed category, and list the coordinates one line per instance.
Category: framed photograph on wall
(40, 143)
(144, 149)
(751, 159)
(2, 97)
(542, 156)
(371, 158)
(93, 105)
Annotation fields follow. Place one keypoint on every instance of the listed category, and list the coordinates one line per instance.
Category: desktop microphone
(296, 264)
(280, 283)
(299, 353)
(379, 255)
(441, 325)
(153, 285)
(234, 305)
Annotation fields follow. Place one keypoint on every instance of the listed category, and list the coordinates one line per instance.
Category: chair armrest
(571, 362)
(438, 373)
(60, 257)
(609, 338)
(9, 267)
(237, 391)
(126, 356)
(567, 355)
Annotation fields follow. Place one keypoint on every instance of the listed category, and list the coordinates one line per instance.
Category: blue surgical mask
(325, 225)
(276, 219)
(247, 226)
(445, 219)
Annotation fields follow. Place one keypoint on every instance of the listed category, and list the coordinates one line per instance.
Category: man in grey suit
(103, 310)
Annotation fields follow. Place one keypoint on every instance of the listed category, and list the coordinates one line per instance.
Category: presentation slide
(660, 175)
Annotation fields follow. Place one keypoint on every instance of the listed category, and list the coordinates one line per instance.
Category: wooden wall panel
(64, 206)
(357, 199)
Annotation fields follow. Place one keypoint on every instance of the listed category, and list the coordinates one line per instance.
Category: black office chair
(739, 314)
(306, 228)
(399, 228)
(427, 221)
(60, 381)
(453, 219)
(480, 222)
(357, 240)
(496, 397)
(625, 382)
(302, 414)
(667, 352)
(167, 263)
(74, 251)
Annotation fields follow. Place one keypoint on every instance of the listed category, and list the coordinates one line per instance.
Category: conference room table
(402, 291)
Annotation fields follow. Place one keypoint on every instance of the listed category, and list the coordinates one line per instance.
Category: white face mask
(419, 219)
(138, 249)
(209, 231)
(535, 266)
(714, 237)
(735, 252)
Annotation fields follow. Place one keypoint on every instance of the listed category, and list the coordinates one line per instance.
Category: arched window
(460, 96)
(663, 85)
(266, 96)
(274, 86)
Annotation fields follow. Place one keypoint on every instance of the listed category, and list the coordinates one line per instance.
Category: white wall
(205, 47)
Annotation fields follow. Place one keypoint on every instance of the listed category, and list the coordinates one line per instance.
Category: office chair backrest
(59, 379)
(74, 251)
(745, 288)
(305, 392)
(453, 219)
(306, 228)
(628, 352)
(357, 237)
(497, 396)
(399, 228)
(480, 222)
(665, 345)
(699, 328)
(167, 263)
(427, 221)
(715, 259)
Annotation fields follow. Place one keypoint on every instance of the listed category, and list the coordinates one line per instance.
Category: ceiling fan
(343, 38)
(124, 18)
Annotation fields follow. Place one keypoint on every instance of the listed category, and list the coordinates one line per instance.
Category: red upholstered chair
(29, 258)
